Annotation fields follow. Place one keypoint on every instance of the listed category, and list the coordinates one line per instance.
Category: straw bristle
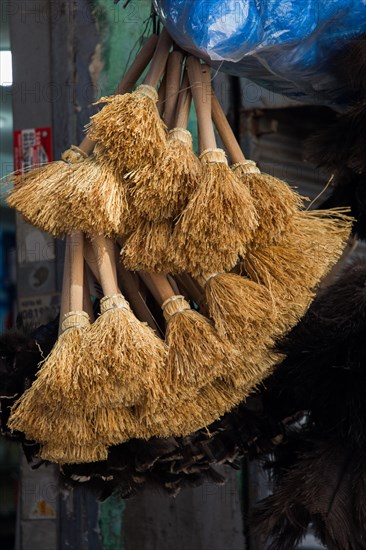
(218, 223)
(130, 129)
(149, 247)
(66, 376)
(97, 197)
(292, 269)
(128, 350)
(114, 424)
(43, 423)
(34, 195)
(196, 353)
(276, 203)
(62, 381)
(161, 191)
(243, 311)
(62, 452)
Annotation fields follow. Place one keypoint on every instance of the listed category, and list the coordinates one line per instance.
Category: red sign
(32, 147)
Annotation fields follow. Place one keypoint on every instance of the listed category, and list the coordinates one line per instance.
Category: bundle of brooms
(80, 192)
(234, 219)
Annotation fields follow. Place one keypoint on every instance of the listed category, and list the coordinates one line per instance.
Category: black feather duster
(340, 146)
(322, 485)
(324, 372)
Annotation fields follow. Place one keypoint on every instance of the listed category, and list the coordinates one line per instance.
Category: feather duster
(321, 483)
(175, 463)
(340, 149)
(324, 371)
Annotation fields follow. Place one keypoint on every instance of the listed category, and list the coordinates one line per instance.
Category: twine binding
(147, 91)
(73, 155)
(213, 156)
(180, 134)
(173, 305)
(207, 279)
(75, 319)
(249, 166)
(115, 301)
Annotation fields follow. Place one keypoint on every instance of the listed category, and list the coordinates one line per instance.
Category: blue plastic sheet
(285, 45)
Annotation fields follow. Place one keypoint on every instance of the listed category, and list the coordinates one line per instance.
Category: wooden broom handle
(158, 285)
(131, 291)
(193, 290)
(159, 60)
(65, 293)
(173, 76)
(87, 303)
(225, 131)
(76, 271)
(105, 260)
(184, 104)
(138, 66)
(129, 79)
(200, 81)
(161, 96)
(129, 285)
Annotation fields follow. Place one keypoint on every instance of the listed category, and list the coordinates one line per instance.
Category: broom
(129, 126)
(276, 203)
(119, 343)
(149, 241)
(77, 192)
(196, 353)
(220, 218)
(292, 269)
(149, 246)
(51, 411)
(291, 261)
(162, 192)
(243, 310)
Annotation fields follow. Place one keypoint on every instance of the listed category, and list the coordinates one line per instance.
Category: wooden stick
(161, 96)
(76, 271)
(131, 291)
(192, 288)
(129, 80)
(200, 81)
(225, 131)
(105, 259)
(65, 292)
(184, 104)
(87, 303)
(138, 66)
(158, 285)
(159, 60)
(174, 73)
(127, 281)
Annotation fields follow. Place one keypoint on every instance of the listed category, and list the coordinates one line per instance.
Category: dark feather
(324, 372)
(325, 486)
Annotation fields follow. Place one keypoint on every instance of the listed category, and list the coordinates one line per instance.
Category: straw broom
(243, 310)
(196, 353)
(51, 411)
(78, 192)
(220, 218)
(33, 191)
(292, 268)
(275, 202)
(292, 249)
(162, 191)
(119, 343)
(148, 246)
(129, 126)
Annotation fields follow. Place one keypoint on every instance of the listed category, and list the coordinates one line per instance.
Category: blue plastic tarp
(286, 45)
